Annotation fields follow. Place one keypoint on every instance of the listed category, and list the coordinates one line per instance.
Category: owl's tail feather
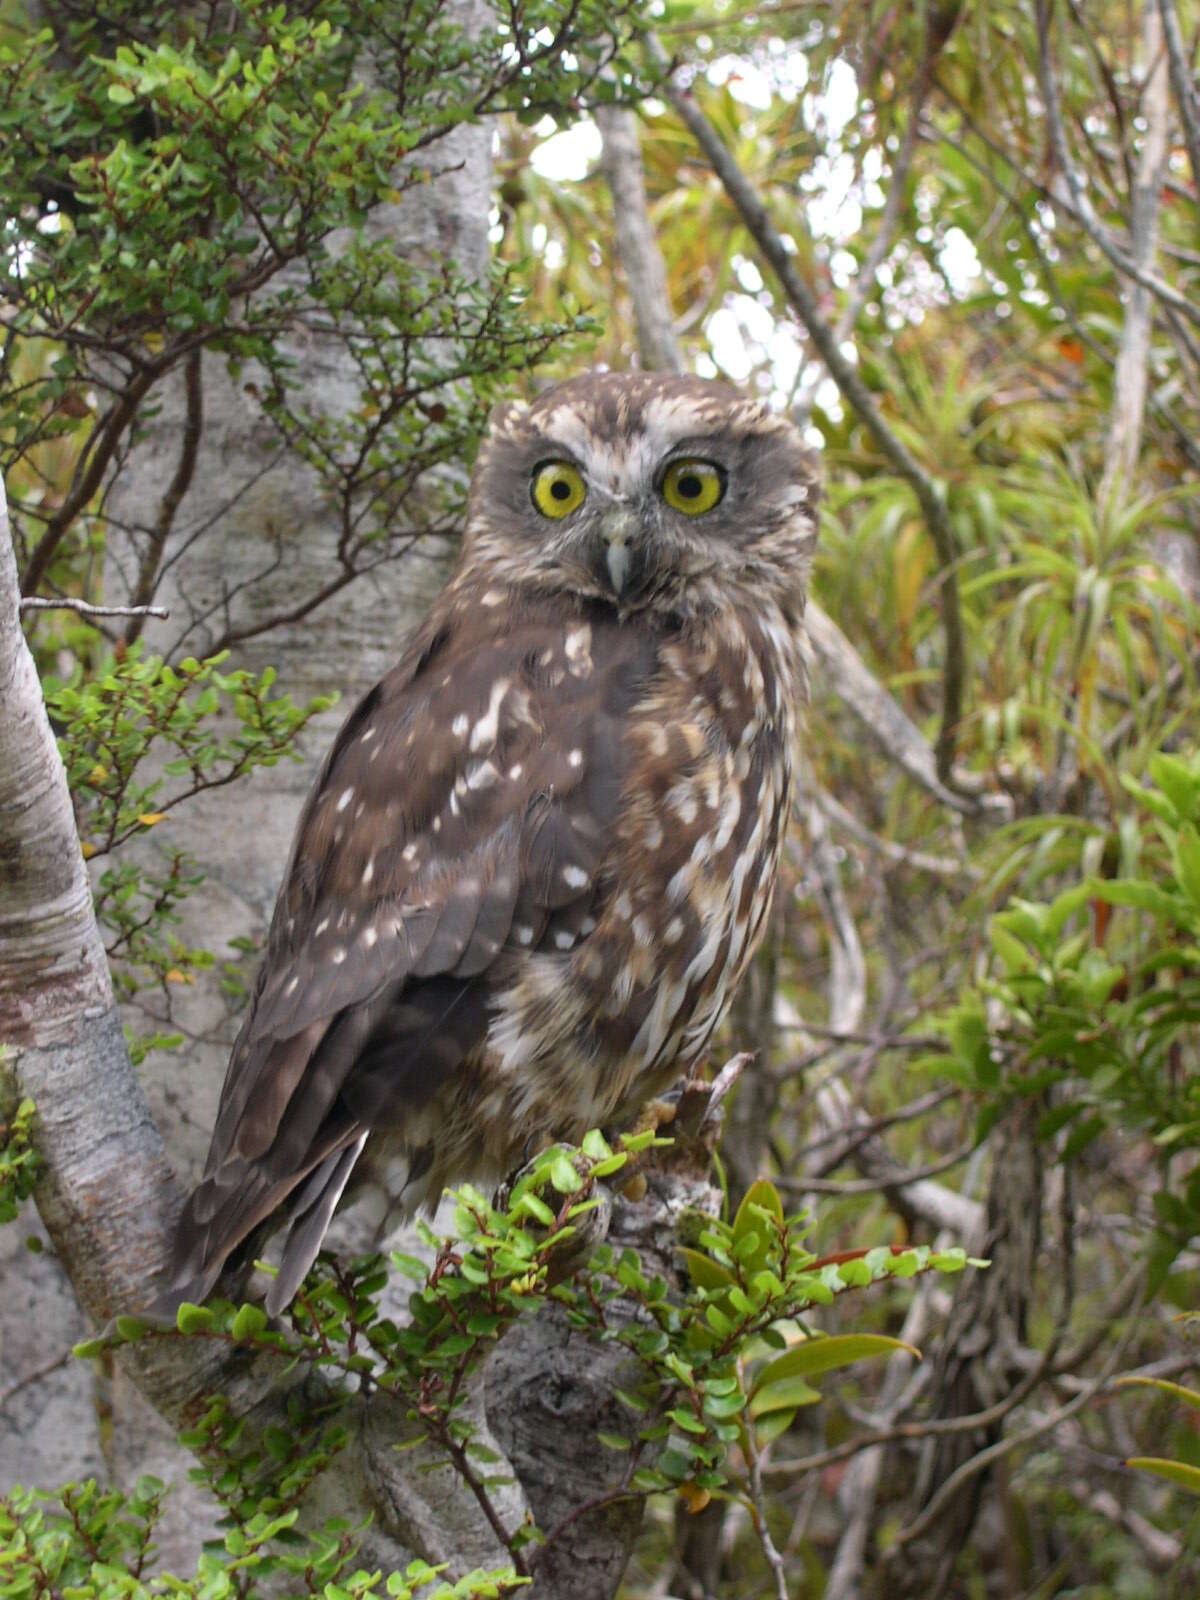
(227, 1221)
(310, 1217)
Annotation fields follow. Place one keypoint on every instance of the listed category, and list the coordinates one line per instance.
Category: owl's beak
(619, 530)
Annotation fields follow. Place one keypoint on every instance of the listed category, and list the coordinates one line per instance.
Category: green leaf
(1187, 862)
(1177, 780)
(773, 1425)
(563, 1174)
(1176, 1472)
(786, 1395)
(827, 1353)
(192, 1318)
(706, 1273)
(1190, 1397)
(249, 1321)
(761, 1196)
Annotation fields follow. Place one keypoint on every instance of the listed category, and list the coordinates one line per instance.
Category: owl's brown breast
(624, 994)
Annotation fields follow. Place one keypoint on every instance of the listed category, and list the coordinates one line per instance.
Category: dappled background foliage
(977, 1018)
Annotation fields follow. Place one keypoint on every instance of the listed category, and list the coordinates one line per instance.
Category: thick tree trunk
(107, 1197)
(109, 1190)
(236, 504)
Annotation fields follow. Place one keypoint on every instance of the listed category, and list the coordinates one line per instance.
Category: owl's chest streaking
(628, 985)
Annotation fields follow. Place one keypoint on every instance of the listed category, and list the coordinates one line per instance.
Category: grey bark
(637, 245)
(973, 1365)
(1131, 373)
(241, 497)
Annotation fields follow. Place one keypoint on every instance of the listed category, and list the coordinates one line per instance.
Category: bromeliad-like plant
(1092, 1000)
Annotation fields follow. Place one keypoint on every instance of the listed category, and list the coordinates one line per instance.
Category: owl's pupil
(690, 486)
(560, 489)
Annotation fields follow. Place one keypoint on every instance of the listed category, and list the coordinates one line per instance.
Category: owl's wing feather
(462, 815)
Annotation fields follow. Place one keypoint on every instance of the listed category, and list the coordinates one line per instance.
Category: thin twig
(899, 854)
(774, 1559)
(885, 1180)
(864, 280)
(29, 603)
(1184, 86)
(185, 470)
(33, 1377)
(1081, 205)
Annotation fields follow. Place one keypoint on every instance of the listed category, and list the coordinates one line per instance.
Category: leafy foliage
(138, 713)
(177, 187)
(98, 1545)
(730, 1350)
(18, 1158)
(1093, 1001)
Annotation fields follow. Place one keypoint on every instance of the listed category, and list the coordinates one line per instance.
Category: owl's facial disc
(620, 533)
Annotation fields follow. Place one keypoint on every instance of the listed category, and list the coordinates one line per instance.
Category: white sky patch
(569, 156)
(959, 260)
(745, 81)
(729, 348)
(839, 100)
(750, 338)
(747, 274)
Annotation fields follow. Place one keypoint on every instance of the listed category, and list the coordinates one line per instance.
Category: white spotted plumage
(539, 857)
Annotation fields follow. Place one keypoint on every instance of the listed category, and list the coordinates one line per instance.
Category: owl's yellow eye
(693, 487)
(557, 489)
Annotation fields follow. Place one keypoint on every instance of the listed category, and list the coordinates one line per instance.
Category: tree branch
(85, 609)
(1129, 379)
(637, 246)
(148, 570)
(1183, 82)
(929, 495)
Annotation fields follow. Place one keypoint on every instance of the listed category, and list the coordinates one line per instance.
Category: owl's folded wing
(460, 821)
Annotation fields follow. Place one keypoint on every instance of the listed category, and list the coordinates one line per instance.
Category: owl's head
(644, 490)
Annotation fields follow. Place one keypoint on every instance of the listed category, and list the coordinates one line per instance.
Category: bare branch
(985, 1458)
(769, 1549)
(898, 854)
(151, 563)
(1129, 379)
(637, 246)
(1081, 205)
(29, 603)
(864, 281)
(1184, 84)
(892, 729)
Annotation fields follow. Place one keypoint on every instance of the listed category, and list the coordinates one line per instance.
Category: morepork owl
(541, 852)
